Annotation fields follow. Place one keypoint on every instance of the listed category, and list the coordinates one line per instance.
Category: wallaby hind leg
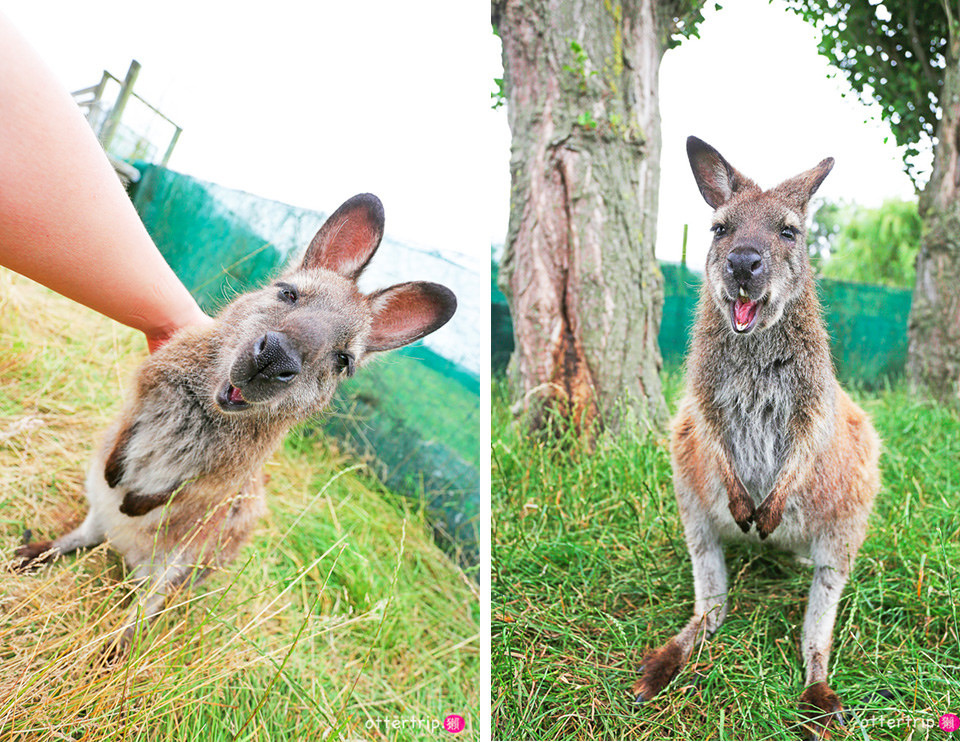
(158, 583)
(819, 705)
(87, 534)
(710, 608)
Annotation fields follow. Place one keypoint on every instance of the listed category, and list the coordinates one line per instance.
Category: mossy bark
(579, 271)
(934, 325)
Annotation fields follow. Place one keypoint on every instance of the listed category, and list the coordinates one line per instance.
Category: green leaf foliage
(878, 246)
(685, 19)
(894, 53)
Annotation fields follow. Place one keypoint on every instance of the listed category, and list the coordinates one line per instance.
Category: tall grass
(341, 619)
(590, 569)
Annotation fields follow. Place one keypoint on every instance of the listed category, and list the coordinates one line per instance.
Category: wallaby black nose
(274, 359)
(744, 264)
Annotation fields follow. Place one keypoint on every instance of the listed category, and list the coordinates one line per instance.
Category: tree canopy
(894, 53)
(856, 243)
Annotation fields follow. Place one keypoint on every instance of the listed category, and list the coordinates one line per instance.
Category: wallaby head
(283, 349)
(758, 262)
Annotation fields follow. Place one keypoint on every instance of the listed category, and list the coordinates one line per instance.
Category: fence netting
(867, 325)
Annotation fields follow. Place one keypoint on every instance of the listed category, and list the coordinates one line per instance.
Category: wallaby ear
(717, 179)
(798, 189)
(408, 312)
(349, 237)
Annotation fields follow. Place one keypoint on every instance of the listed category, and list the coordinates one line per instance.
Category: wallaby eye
(788, 233)
(344, 361)
(288, 293)
(719, 230)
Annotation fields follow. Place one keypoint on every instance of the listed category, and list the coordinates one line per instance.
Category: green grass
(590, 569)
(431, 406)
(446, 410)
(424, 426)
(341, 618)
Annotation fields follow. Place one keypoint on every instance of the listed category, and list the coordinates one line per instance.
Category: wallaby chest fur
(172, 439)
(745, 400)
(752, 387)
(173, 433)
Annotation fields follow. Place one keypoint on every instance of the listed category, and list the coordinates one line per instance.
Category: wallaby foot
(819, 707)
(114, 651)
(659, 667)
(150, 601)
(34, 554)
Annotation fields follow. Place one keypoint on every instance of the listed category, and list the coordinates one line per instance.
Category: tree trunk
(579, 271)
(934, 326)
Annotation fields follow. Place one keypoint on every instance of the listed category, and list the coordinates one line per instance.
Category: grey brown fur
(765, 444)
(175, 487)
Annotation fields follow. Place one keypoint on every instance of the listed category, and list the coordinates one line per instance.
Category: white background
(307, 102)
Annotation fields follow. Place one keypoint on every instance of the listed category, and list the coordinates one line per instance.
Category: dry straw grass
(340, 619)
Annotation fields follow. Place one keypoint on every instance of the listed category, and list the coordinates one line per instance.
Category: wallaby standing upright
(175, 487)
(764, 435)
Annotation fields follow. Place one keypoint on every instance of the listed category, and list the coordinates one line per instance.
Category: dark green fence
(211, 249)
(414, 413)
(867, 325)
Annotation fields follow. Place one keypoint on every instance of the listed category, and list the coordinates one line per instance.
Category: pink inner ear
(349, 245)
(349, 238)
(399, 319)
(404, 313)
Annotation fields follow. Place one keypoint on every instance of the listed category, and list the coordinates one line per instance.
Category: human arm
(65, 219)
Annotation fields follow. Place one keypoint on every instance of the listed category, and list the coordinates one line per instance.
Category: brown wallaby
(764, 436)
(175, 487)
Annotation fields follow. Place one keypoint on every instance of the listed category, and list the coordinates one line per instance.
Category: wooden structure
(108, 121)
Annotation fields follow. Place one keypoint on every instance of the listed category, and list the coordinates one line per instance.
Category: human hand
(157, 338)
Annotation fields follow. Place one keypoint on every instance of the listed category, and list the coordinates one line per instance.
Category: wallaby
(764, 436)
(175, 486)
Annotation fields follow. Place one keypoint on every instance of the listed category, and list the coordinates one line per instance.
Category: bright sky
(306, 102)
(309, 103)
(754, 86)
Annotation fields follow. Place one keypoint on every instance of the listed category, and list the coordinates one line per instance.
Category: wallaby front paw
(741, 507)
(819, 708)
(33, 554)
(767, 516)
(659, 667)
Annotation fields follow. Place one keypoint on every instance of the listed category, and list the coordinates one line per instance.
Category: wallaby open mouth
(744, 313)
(231, 399)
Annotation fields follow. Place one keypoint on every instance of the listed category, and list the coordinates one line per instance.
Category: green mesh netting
(210, 248)
(501, 328)
(867, 325)
(414, 412)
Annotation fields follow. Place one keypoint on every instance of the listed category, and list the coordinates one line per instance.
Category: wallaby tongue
(744, 311)
(235, 396)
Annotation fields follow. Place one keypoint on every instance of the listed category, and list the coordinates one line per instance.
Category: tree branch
(946, 9)
(917, 47)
